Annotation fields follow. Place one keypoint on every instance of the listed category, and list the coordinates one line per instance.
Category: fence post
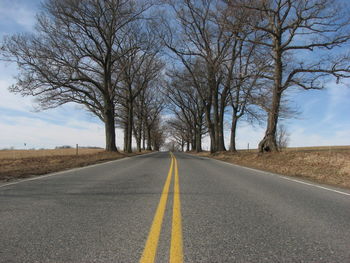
(76, 151)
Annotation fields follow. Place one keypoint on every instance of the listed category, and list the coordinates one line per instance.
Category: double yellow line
(150, 250)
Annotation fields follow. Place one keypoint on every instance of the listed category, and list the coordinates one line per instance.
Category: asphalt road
(204, 211)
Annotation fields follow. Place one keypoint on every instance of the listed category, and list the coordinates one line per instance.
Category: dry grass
(323, 166)
(18, 154)
(309, 149)
(26, 163)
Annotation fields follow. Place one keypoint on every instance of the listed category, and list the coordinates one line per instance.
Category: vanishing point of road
(165, 207)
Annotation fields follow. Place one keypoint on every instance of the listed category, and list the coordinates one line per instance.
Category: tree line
(180, 68)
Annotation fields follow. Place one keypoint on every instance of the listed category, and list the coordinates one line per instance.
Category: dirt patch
(329, 167)
(15, 168)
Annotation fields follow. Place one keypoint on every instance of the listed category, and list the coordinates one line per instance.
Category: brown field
(328, 165)
(16, 154)
(309, 149)
(15, 164)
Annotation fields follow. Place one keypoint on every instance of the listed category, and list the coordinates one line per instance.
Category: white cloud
(301, 137)
(248, 134)
(37, 133)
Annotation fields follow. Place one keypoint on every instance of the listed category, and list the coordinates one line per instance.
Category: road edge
(327, 187)
(37, 177)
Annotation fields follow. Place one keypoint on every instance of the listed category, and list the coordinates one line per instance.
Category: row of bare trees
(101, 54)
(239, 57)
(227, 60)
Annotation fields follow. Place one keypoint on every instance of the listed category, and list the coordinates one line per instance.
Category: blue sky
(324, 119)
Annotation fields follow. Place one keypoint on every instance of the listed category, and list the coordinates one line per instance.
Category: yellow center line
(176, 254)
(149, 252)
(176, 251)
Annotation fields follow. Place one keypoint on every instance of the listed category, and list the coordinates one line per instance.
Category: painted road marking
(149, 252)
(176, 251)
(283, 177)
(176, 254)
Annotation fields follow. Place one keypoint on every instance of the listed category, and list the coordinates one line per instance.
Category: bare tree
(293, 30)
(187, 106)
(75, 54)
(154, 104)
(242, 71)
(282, 137)
(201, 45)
(158, 134)
(177, 132)
(138, 69)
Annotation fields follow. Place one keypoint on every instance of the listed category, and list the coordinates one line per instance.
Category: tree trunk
(233, 133)
(194, 141)
(268, 143)
(138, 143)
(130, 124)
(211, 129)
(216, 120)
(110, 128)
(125, 136)
(139, 134)
(143, 138)
(198, 140)
(221, 116)
(149, 141)
(221, 139)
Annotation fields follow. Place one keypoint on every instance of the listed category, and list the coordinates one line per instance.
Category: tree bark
(210, 129)
(125, 136)
(233, 133)
(149, 141)
(221, 139)
(138, 142)
(130, 124)
(194, 141)
(110, 127)
(198, 140)
(144, 138)
(268, 143)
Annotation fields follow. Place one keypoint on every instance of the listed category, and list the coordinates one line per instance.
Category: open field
(308, 149)
(15, 164)
(329, 165)
(16, 154)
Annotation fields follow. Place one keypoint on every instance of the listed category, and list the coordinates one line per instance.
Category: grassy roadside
(327, 167)
(24, 164)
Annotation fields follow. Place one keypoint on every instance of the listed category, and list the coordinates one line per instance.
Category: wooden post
(76, 151)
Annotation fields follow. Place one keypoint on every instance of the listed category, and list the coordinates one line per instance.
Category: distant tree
(138, 69)
(154, 104)
(75, 55)
(282, 137)
(186, 104)
(177, 132)
(158, 134)
(199, 41)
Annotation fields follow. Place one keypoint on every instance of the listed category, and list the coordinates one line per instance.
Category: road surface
(159, 208)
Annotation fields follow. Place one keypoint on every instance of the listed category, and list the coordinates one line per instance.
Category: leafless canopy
(74, 55)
